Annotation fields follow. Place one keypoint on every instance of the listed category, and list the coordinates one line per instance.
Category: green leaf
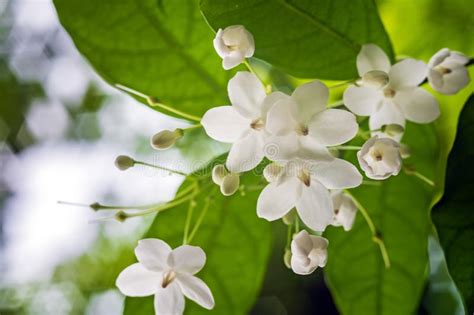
(161, 48)
(399, 208)
(236, 242)
(453, 215)
(309, 38)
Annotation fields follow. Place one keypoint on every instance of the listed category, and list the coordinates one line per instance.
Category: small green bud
(393, 129)
(287, 258)
(166, 138)
(230, 184)
(121, 216)
(290, 217)
(124, 162)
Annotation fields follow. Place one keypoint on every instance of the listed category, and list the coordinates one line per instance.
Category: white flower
(345, 209)
(228, 182)
(233, 45)
(308, 252)
(304, 185)
(401, 99)
(447, 71)
(380, 158)
(168, 274)
(302, 127)
(243, 123)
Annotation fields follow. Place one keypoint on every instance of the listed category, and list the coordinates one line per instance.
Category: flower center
(168, 277)
(377, 155)
(257, 124)
(443, 70)
(302, 130)
(304, 176)
(389, 93)
(233, 47)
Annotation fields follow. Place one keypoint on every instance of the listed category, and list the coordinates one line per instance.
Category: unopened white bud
(393, 129)
(124, 162)
(230, 184)
(380, 158)
(272, 171)
(219, 172)
(405, 151)
(166, 138)
(375, 79)
(289, 218)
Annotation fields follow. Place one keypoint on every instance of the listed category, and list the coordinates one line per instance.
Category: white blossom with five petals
(233, 45)
(168, 274)
(399, 100)
(305, 185)
(447, 71)
(308, 252)
(243, 123)
(301, 127)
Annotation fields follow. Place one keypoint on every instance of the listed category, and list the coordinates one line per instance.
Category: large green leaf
(306, 38)
(237, 244)
(161, 48)
(454, 215)
(400, 208)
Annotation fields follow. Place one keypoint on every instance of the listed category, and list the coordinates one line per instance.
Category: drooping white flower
(243, 123)
(305, 185)
(168, 274)
(380, 158)
(308, 252)
(233, 45)
(447, 71)
(399, 100)
(228, 182)
(345, 209)
(302, 127)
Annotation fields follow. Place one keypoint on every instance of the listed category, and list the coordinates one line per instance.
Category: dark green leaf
(309, 38)
(453, 215)
(236, 242)
(161, 48)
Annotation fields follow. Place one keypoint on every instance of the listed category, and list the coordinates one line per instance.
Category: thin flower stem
(252, 70)
(419, 175)
(297, 224)
(193, 127)
(200, 218)
(154, 103)
(347, 147)
(376, 238)
(189, 216)
(161, 168)
(97, 206)
(289, 236)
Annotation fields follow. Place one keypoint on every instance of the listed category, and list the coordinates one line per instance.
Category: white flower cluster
(297, 134)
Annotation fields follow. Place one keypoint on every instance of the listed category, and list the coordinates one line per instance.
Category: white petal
(195, 289)
(278, 198)
(224, 124)
(270, 100)
(388, 113)
(438, 57)
(246, 94)
(187, 259)
(407, 73)
(315, 206)
(452, 82)
(418, 105)
(169, 300)
(301, 243)
(135, 280)
(310, 98)
(337, 174)
(153, 253)
(362, 101)
(246, 153)
(279, 119)
(233, 59)
(372, 57)
(333, 127)
(311, 149)
(219, 45)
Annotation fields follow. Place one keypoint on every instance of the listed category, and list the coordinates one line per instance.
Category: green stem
(252, 70)
(297, 224)
(161, 168)
(346, 147)
(289, 237)
(193, 127)
(200, 218)
(189, 216)
(419, 175)
(376, 238)
(154, 103)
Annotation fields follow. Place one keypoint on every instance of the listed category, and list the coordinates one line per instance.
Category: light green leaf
(161, 48)
(236, 242)
(400, 208)
(310, 38)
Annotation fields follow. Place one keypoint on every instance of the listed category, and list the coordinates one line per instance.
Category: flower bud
(166, 138)
(121, 216)
(375, 79)
(124, 162)
(308, 252)
(393, 130)
(344, 208)
(447, 72)
(233, 45)
(380, 158)
(219, 172)
(290, 217)
(272, 171)
(405, 151)
(230, 184)
(287, 258)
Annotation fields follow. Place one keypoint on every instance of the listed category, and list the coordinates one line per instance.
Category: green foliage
(312, 39)
(399, 208)
(236, 242)
(161, 50)
(453, 215)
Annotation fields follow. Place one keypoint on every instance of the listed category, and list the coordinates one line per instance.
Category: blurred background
(61, 128)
